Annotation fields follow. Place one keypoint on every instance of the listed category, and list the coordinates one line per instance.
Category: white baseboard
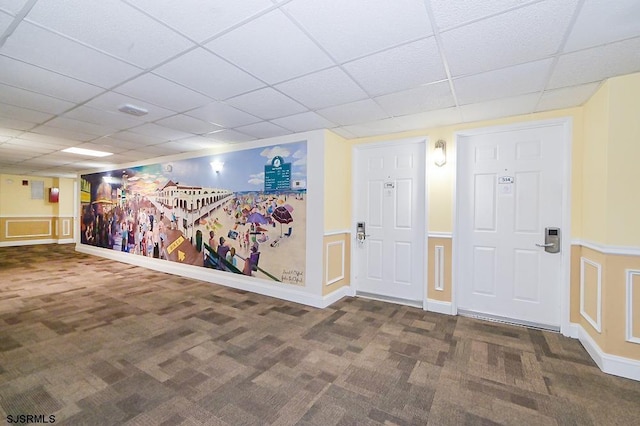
(610, 364)
(439, 307)
(333, 297)
(255, 285)
(36, 242)
(571, 330)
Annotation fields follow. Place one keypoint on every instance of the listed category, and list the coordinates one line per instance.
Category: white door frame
(567, 126)
(356, 198)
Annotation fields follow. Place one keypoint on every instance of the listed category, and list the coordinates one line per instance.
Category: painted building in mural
(249, 218)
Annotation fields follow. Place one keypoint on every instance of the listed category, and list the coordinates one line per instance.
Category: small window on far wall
(37, 190)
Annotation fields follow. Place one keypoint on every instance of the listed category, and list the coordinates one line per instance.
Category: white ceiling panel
(256, 47)
(206, 73)
(566, 97)
(425, 120)
(9, 132)
(188, 124)
(222, 114)
(400, 68)
(449, 13)
(5, 21)
(45, 49)
(58, 132)
(29, 77)
(185, 145)
(267, 104)
(373, 128)
(157, 150)
(112, 27)
(162, 92)
(14, 124)
(16, 147)
(24, 114)
(30, 143)
(517, 105)
(81, 126)
(263, 129)
(100, 145)
(12, 6)
(354, 113)
(35, 101)
(354, 28)
(112, 101)
(114, 120)
(230, 136)
(114, 145)
(522, 35)
(138, 138)
(323, 89)
(201, 19)
(506, 82)
(422, 98)
(597, 63)
(161, 132)
(304, 122)
(604, 21)
(37, 137)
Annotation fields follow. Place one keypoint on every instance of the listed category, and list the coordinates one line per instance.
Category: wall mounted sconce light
(217, 166)
(440, 153)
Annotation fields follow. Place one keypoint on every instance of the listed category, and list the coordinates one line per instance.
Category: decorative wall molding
(333, 297)
(597, 322)
(8, 221)
(66, 227)
(630, 335)
(337, 232)
(36, 242)
(440, 235)
(439, 267)
(607, 249)
(335, 279)
(610, 364)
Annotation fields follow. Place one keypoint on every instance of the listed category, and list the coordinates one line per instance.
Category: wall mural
(243, 212)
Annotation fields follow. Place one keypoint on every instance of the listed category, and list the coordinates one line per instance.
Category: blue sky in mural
(243, 170)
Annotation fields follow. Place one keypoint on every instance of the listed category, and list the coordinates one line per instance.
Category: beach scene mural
(242, 212)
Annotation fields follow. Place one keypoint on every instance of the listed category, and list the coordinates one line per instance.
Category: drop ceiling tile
(399, 68)
(63, 133)
(422, 98)
(138, 138)
(596, 64)
(197, 143)
(36, 137)
(48, 50)
(267, 104)
(526, 34)
(263, 130)
(111, 26)
(25, 99)
(350, 29)
(157, 150)
(604, 21)
(449, 13)
(12, 6)
(46, 161)
(341, 131)
(14, 124)
(162, 92)
(566, 97)
(9, 132)
(23, 114)
(503, 83)
(19, 148)
(114, 120)
(29, 77)
(506, 107)
(201, 19)
(80, 126)
(430, 119)
(271, 48)
(323, 89)
(304, 122)
(206, 73)
(5, 21)
(222, 114)
(180, 146)
(111, 144)
(373, 128)
(188, 124)
(354, 113)
(161, 132)
(230, 136)
(111, 101)
(27, 143)
(102, 147)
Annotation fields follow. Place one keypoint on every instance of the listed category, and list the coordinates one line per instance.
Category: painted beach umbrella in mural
(258, 218)
(289, 208)
(282, 215)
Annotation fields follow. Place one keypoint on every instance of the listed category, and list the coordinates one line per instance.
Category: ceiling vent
(133, 110)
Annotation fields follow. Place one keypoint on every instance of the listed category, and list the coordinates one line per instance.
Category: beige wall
(337, 183)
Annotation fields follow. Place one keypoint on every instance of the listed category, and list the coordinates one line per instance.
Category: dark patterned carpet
(96, 342)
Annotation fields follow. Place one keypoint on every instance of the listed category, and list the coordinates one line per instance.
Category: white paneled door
(389, 181)
(510, 188)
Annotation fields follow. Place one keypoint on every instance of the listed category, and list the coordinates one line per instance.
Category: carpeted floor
(96, 342)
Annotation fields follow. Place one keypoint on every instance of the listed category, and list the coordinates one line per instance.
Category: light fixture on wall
(440, 153)
(217, 166)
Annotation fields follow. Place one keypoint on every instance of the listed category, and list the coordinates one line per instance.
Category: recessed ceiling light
(133, 110)
(91, 152)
